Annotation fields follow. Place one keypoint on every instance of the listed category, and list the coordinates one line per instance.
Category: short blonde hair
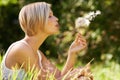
(34, 16)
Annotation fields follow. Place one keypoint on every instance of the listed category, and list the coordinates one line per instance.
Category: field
(105, 71)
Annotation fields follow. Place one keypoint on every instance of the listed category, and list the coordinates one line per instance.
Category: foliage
(102, 35)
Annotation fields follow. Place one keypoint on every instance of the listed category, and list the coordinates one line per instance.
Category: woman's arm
(78, 44)
(69, 63)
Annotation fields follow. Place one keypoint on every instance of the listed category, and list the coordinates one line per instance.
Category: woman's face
(52, 26)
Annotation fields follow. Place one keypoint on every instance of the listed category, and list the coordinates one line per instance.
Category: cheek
(49, 28)
(50, 23)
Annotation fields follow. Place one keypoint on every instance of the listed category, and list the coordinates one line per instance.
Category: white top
(7, 72)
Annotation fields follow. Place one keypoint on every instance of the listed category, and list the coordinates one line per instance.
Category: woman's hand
(78, 44)
(80, 74)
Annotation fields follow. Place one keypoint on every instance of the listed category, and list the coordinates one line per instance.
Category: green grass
(101, 71)
(104, 71)
(109, 71)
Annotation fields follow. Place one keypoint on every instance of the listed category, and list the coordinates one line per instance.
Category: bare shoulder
(23, 55)
(17, 54)
(20, 52)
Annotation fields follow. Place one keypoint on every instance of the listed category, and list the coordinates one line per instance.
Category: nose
(56, 18)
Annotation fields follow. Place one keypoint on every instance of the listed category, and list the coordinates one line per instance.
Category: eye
(50, 16)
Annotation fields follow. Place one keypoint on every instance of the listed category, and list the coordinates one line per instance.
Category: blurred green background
(103, 34)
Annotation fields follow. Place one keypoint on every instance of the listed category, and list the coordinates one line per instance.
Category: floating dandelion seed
(85, 21)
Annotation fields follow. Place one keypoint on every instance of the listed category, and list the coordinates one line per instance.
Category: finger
(84, 43)
(82, 39)
(78, 36)
(81, 43)
(79, 33)
(83, 47)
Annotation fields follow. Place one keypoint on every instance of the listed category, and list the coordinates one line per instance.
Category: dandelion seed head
(82, 22)
(85, 21)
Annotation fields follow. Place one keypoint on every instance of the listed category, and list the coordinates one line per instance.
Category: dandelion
(81, 22)
(85, 21)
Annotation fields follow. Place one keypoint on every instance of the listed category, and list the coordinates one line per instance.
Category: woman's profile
(38, 22)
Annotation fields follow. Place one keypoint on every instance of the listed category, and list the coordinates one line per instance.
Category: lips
(57, 25)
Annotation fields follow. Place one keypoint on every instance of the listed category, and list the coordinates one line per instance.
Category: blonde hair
(33, 17)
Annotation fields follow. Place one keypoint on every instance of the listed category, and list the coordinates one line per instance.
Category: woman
(38, 22)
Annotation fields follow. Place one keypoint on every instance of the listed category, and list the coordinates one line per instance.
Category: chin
(55, 32)
(51, 33)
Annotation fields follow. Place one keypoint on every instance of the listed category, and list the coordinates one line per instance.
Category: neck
(36, 41)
